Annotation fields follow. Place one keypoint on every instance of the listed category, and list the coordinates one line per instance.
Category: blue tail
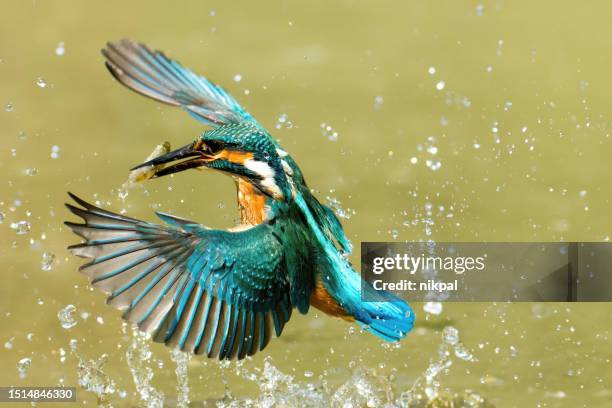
(381, 313)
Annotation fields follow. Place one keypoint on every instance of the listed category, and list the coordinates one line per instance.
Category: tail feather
(379, 312)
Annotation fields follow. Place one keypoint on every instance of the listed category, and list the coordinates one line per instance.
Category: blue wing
(204, 291)
(152, 74)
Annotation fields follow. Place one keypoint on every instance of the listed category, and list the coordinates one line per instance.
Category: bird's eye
(213, 147)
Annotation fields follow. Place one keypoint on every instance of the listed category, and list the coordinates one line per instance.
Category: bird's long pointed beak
(186, 152)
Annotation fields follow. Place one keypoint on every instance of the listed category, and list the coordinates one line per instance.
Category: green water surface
(455, 120)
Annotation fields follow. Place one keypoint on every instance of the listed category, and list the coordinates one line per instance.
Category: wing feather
(203, 291)
(154, 75)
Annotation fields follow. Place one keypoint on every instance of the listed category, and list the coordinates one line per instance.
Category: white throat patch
(267, 174)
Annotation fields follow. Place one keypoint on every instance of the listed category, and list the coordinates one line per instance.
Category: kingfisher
(223, 293)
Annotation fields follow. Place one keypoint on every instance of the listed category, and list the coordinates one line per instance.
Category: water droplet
(463, 353)
(414, 160)
(21, 227)
(237, 78)
(450, 335)
(9, 107)
(555, 394)
(41, 82)
(433, 165)
(9, 343)
(336, 205)
(123, 193)
(66, 317)
(60, 49)
(30, 172)
(23, 366)
(283, 121)
(48, 258)
(378, 102)
(55, 152)
(434, 308)
(500, 44)
(100, 320)
(582, 193)
(440, 85)
(329, 132)
(479, 10)
(431, 70)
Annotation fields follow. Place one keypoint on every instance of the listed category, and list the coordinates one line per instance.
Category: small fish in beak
(144, 173)
(186, 157)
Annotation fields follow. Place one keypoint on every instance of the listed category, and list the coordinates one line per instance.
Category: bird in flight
(222, 293)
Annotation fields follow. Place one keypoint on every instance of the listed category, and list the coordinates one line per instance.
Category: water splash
(277, 389)
(138, 357)
(427, 388)
(336, 205)
(92, 378)
(182, 378)
(366, 387)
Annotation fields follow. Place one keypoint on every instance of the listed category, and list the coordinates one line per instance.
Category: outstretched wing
(204, 291)
(152, 74)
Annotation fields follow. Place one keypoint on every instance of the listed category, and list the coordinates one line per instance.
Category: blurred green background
(449, 120)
